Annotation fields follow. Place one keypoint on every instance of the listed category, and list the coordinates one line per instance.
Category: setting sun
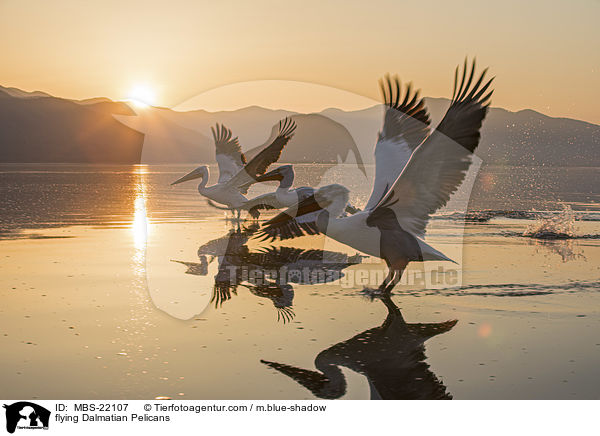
(142, 95)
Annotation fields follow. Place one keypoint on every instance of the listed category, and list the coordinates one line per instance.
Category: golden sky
(545, 54)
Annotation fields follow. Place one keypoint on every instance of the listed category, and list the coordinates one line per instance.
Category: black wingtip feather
(402, 111)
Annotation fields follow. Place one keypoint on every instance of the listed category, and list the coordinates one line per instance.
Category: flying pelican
(405, 126)
(393, 225)
(391, 357)
(283, 196)
(235, 174)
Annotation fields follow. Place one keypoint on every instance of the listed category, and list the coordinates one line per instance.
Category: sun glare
(142, 95)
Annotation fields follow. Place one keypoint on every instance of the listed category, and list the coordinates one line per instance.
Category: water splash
(558, 226)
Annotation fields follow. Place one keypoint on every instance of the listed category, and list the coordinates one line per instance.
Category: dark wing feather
(439, 165)
(297, 220)
(405, 127)
(406, 117)
(259, 164)
(228, 152)
(292, 228)
(262, 202)
(226, 144)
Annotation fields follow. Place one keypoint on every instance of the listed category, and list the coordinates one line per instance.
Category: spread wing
(438, 166)
(292, 223)
(228, 152)
(290, 228)
(405, 126)
(269, 201)
(258, 164)
(262, 202)
(301, 219)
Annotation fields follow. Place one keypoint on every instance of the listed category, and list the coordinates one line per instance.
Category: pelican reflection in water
(391, 357)
(268, 271)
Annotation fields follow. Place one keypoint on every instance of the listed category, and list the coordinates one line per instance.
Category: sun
(142, 95)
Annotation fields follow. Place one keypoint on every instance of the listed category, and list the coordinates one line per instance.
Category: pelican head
(283, 174)
(328, 383)
(333, 198)
(200, 172)
(195, 268)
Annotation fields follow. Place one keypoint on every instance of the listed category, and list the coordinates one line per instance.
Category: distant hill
(185, 137)
(529, 138)
(41, 128)
(524, 138)
(15, 92)
(36, 127)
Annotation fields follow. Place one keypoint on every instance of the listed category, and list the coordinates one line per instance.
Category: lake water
(117, 285)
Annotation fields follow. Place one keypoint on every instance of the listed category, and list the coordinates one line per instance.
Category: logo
(26, 415)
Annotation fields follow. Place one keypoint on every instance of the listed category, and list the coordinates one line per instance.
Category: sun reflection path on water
(139, 226)
(140, 356)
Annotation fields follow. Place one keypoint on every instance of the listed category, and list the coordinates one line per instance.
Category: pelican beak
(274, 175)
(189, 176)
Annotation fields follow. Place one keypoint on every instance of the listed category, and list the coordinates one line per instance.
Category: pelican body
(222, 193)
(283, 196)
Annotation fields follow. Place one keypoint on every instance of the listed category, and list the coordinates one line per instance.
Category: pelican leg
(397, 276)
(395, 271)
(381, 290)
(390, 275)
(397, 268)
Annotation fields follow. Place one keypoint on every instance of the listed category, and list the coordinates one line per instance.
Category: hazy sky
(545, 54)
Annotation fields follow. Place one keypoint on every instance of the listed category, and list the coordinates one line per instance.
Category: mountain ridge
(101, 130)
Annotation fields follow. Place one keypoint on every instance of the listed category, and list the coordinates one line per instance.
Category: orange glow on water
(484, 331)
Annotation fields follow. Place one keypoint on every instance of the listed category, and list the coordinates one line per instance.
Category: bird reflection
(196, 268)
(267, 272)
(391, 357)
(564, 248)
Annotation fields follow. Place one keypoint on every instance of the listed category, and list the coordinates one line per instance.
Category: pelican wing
(220, 246)
(258, 164)
(295, 221)
(278, 256)
(262, 202)
(274, 257)
(405, 126)
(438, 166)
(269, 201)
(228, 153)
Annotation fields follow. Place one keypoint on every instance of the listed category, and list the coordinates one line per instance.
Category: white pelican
(393, 224)
(391, 357)
(235, 175)
(283, 196)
